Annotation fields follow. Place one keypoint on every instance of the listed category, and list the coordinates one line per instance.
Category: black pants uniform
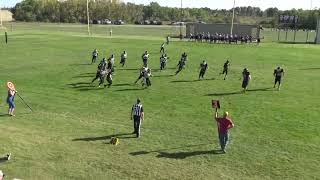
(141, 75)
(145, 62)
(201, 74)
(122, 61)
(97, 76)
(162, 65)
(137, 125)
(162, 49)
(225, 71)
(94, 59)
(102, 78)
(245, 83)
(109, 80)
(277, 80)
(148, 82)
(179, 69)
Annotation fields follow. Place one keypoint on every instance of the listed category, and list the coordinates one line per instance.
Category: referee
(138, 115)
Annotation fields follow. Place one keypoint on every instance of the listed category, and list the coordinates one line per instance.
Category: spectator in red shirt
(224, 124)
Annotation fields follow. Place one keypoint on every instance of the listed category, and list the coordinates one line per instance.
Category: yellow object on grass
(114, 141)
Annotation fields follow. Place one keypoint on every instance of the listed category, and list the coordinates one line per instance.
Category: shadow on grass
(260, 89)
(4, 115)
(125, 84)
(83, 76)
(78, 83)
(183, 155)
(238, 92)
(85, 87)
(171, 68)
(135, 89)
(81, 64)
(305, 69)
(196, 80)
(167, 75)
(88, 73)
(138, 153)
(129, 69)
(3, 159)
(120, 136)
(90, 88)
(225, 94)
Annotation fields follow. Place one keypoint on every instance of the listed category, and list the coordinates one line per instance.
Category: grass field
(140, 32)
(276, 134)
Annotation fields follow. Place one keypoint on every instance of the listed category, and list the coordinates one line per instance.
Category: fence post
(286, 35)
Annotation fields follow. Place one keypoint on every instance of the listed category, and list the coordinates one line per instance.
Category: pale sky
(217, 4)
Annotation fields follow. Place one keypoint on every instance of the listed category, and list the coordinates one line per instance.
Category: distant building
(6, 15)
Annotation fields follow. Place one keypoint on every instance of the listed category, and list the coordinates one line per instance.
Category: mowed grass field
(276, 134)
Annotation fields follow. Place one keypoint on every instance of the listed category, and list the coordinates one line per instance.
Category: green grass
(276, 134)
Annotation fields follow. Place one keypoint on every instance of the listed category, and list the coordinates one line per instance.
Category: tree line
(74, 11)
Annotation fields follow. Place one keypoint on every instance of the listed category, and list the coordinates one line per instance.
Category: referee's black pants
(148, 82)
(162, 50)
(137, 125)
(201, 74)
(141, 75)
(97, 76)
(94, 59)
(145, 62)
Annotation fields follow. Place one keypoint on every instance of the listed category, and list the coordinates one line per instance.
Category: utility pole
(0, 17)
(310, 13)
(88, 17)
(232, 21)
(181, 21)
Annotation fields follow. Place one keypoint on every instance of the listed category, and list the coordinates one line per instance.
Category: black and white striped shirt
(137, 109)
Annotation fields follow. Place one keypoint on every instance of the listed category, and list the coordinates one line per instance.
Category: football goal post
(3, 34)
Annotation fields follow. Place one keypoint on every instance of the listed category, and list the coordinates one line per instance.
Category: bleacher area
(223, 38)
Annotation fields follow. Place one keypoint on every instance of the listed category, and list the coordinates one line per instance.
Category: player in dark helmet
(163, 61)
(112, 59)
(203, 68)
(145, 58)
(278, 74)
(184, 56)
(246, 79)
(123, 58)
(95, 54)
(102, 65)
(109, 78)
(141, 73)
(162, 48)
(146, 78)
(225, 69)
(181, 64)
